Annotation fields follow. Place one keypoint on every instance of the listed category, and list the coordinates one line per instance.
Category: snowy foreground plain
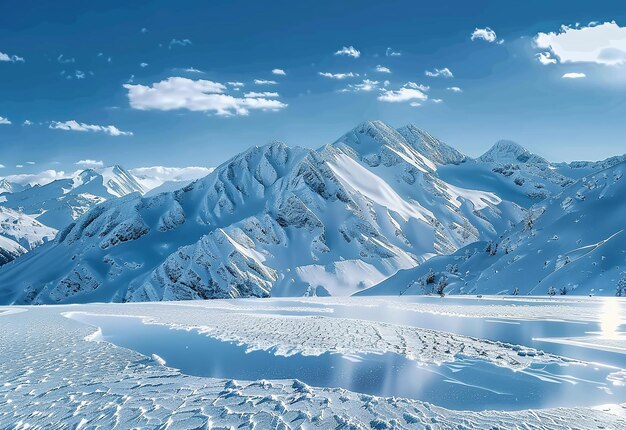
(349, 363)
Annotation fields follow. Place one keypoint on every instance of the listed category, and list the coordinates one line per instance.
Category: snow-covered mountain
(510, 171)
(62, 201)
(276, 220)
(19, 234)
(9, 187)
(572, 243)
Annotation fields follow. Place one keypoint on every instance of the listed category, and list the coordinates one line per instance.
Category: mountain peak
(507, 151)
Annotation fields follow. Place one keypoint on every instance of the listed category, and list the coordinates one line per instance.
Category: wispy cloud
(264, 82)
(366, 85)
(349, 51)
(444, 73)
(195, 95)
(90, 164)
(338, 75)
(73, 125)
(142, 65)
(574, 75)
(280, 72)
(455, 89)
(486, 34)
(64, 60)
(11, 58)
(179, 42)
(261, 94)
(391, 53)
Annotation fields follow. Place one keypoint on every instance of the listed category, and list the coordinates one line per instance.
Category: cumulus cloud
(382, 69)
(179, 42)
(455, 89)
(280, 72)
(574, 75)
(90, 164)
(11, 58)
(195, 95)
(338, 75)
(349, 51)
(73, 125)
(486, 34)
(545, 58)
(4, 121)
(598, 43)
(444, 73)
(408, 93)
(142, 65)
(391, 53)
(264, 82)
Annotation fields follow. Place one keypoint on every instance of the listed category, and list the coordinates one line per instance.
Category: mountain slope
(572, 243)
(273, 220)
(19, 234)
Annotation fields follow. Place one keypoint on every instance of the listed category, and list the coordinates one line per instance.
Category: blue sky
(158, 83)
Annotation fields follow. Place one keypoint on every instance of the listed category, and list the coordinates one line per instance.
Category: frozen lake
(587, 330)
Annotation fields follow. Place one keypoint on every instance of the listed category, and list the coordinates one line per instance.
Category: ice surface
(52, 375)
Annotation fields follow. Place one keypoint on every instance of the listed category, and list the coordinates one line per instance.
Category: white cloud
(195, 95)
(193, 70)
(437, 101)
(545, 58)
(455, 89)
(32, 163)
(415, 104)
(601, 44)
(366, 85)
(420, 87)
(2, 166)
(41, 178)
(349, 51)
(179, 42)
(485, 34)
(444, 73)
(154, 176)
(4, 121)
(261, 94)
(143, 65)
(573, 75)
(279, 72)
(382, 69)
(264, 82)
(404, 94)
(27, 122)
(90, 164)
(73, 125)
(144, 30)
(11, 58)
(338, 75)
(79, 74)
(391, 53)
(19, 166)
(236, 84)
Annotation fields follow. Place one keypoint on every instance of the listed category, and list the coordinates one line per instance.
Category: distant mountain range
(375, 212)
